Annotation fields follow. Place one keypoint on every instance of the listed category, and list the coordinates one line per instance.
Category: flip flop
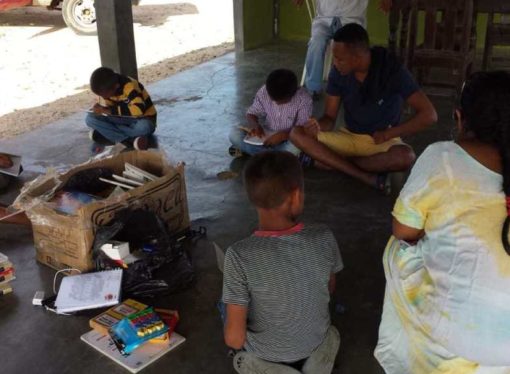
(305, 160)
(383, 183)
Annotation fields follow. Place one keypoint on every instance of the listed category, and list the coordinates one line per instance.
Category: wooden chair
(498, 32)
(399, 29)
(447, 39)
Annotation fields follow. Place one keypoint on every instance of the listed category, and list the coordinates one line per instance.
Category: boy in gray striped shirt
(277, 282)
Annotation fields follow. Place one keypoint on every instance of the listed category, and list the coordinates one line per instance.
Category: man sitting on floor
(125, 112)
(373, 87)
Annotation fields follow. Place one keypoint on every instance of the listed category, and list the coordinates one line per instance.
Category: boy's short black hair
(270, 177)
(103, 79)
(353, 35)
(281, 84)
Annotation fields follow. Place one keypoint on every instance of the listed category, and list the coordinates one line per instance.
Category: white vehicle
(79, 15)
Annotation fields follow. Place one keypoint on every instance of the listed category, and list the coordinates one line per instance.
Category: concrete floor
(196, 109)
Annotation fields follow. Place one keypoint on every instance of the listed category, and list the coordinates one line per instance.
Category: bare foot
(5, 161)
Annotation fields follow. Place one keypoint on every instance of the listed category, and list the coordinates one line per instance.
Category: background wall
(295, 23)
(257, 22)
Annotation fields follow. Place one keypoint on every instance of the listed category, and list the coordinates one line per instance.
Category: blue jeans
(237, 139)
(118, 129)
(323, 30)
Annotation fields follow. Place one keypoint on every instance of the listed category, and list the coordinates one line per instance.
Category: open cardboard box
(65, 241)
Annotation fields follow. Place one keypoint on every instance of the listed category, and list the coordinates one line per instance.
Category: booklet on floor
(89, 291)
(137, 360)
(15, 169)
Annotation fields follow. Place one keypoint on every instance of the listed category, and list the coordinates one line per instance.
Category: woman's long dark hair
(485, 107)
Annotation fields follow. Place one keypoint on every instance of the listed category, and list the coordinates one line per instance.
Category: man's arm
(277, 138)
(332, 105)
(235, 326)
(424, 117)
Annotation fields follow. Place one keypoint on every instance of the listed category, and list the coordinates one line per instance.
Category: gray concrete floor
(196, 109)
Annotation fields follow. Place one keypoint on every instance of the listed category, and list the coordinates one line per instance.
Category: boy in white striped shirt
(277, 282)
(279, 105)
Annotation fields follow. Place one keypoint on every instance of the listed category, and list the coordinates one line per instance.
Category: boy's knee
(236, 136)
(144, 128)
(91, 120)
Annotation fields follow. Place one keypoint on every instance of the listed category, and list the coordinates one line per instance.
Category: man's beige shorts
(349, 144)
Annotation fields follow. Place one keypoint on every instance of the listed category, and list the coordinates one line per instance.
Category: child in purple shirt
(278, 106)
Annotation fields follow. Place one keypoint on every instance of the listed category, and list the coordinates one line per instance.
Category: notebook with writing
(89, 291)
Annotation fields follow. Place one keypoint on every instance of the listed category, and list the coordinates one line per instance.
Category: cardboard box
(65, 241)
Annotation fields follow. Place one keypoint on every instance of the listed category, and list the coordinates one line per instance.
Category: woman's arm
(403, 232)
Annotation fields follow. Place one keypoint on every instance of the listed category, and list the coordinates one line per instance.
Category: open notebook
(16, 168)
(255, 140)
(89, 291)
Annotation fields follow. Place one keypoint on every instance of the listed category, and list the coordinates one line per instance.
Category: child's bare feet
(5, 161)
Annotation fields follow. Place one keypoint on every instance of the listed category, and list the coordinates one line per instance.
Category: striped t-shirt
(283, 277)
(282, 117)
(131, 99)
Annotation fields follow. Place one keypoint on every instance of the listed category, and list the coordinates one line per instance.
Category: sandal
(383, 183)
(305, 160)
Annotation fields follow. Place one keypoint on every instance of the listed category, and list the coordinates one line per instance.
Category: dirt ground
(46, 66)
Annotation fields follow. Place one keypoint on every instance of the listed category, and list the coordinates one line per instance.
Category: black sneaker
(141, 143)
(97, 137)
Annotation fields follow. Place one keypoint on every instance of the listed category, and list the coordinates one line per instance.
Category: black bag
(166, 268)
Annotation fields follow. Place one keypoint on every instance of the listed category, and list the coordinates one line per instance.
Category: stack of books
(6, 274)
(131, 178)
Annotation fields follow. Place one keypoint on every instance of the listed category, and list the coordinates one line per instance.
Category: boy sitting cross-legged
(278, 107)
(277, 282)
(124, 114)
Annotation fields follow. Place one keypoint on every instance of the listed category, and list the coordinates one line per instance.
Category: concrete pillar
(239, 24)
(116, 37)
(254, 23)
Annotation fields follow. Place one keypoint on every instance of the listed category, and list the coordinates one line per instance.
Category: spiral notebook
(89, 291)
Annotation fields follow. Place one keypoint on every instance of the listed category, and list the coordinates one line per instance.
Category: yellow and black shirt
(131, 99)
